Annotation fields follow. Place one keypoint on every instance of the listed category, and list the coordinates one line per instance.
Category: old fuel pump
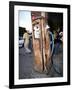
(41, 45)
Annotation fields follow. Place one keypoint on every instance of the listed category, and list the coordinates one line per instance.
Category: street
(26, 66)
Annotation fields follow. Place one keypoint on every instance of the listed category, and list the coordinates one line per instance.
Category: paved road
(26, 69)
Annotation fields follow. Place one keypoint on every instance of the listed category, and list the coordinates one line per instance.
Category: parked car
(21, 42)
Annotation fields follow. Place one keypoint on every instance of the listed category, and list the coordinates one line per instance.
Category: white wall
(4, 43)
